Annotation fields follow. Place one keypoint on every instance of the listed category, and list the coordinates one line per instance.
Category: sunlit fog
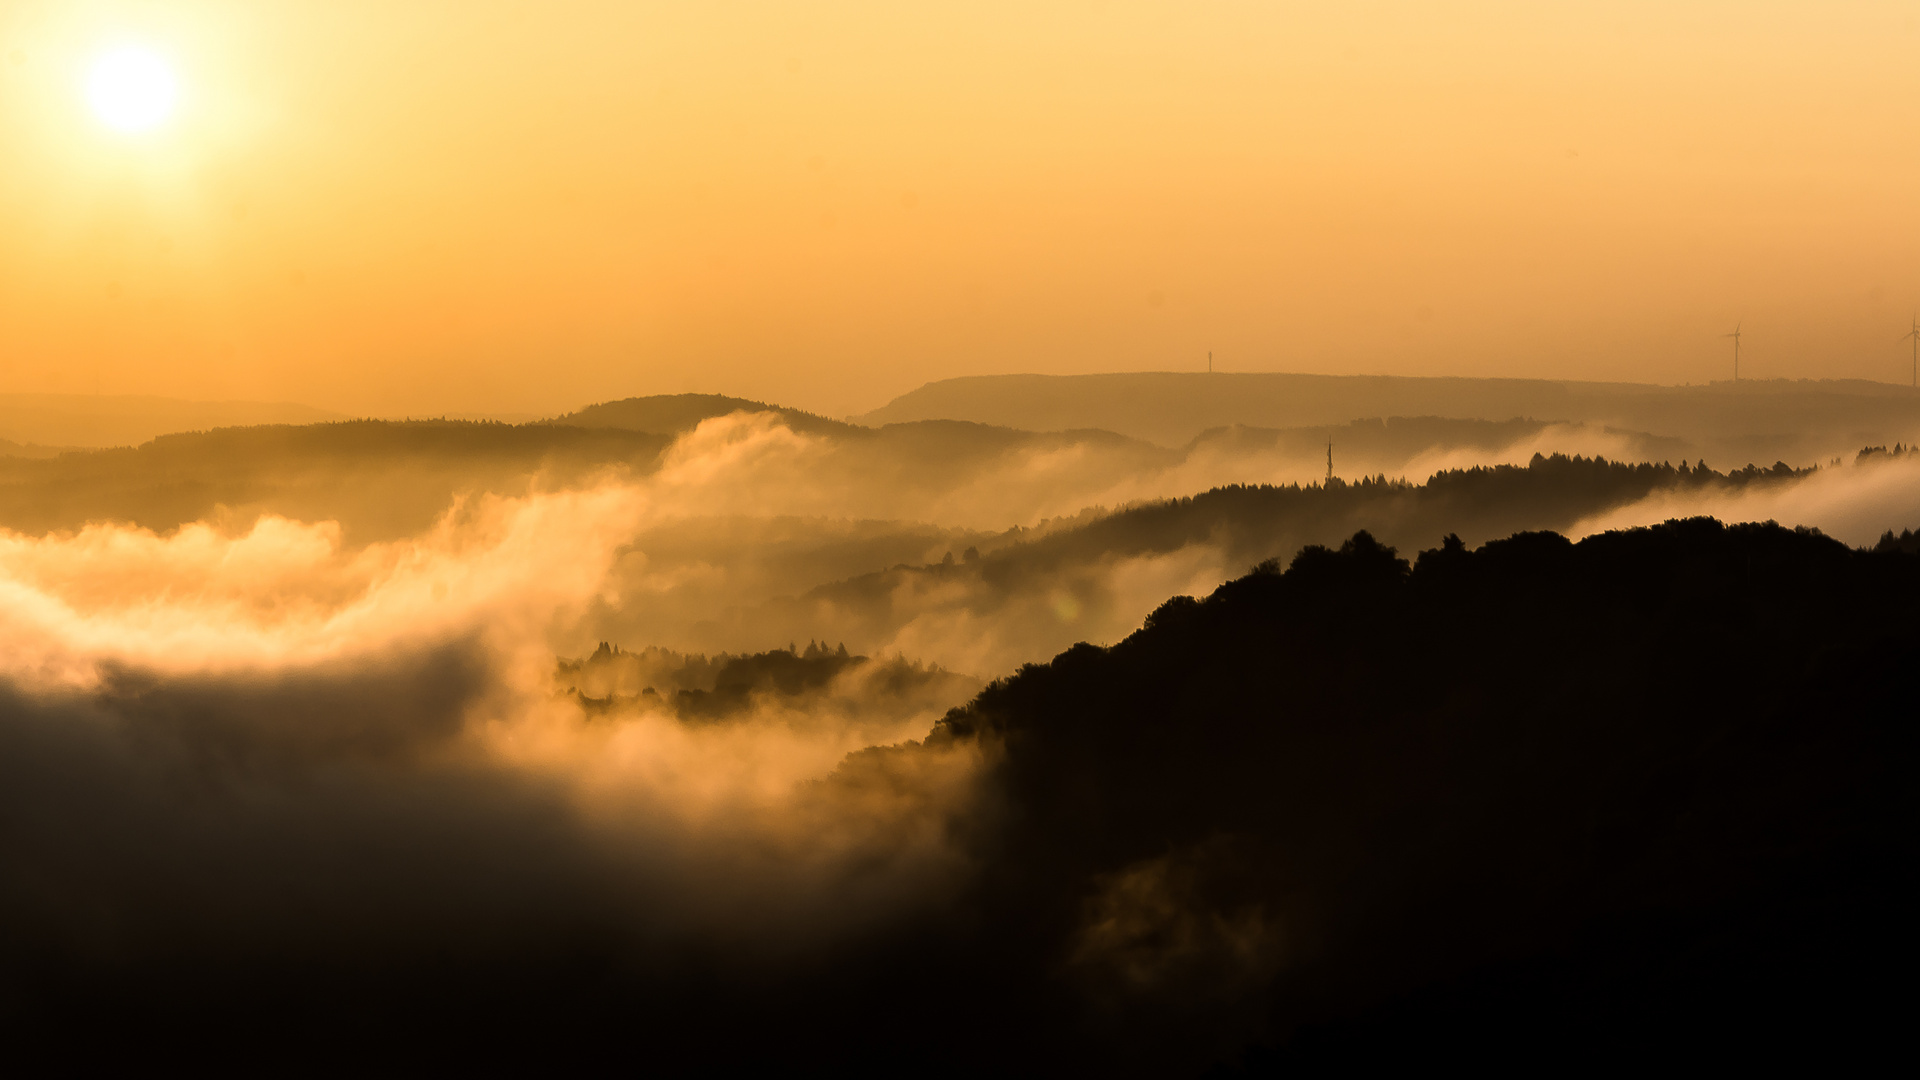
(1107, 539)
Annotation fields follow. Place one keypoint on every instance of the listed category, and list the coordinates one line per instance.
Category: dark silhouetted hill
(1044, 591)
(9, 448)
(380, 478)
(932, 451)
(1536, 803)
(672, 414)
(97, 420)
(1753, 419)
(1394, 444)
(383, 478)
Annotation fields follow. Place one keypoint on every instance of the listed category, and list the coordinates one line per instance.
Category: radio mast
(1915, 335)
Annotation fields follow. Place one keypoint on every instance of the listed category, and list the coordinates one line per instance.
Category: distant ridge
(668, 414)
(1170, 408)
(100, 420)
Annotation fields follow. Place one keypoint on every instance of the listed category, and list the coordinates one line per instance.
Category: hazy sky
(473, 206)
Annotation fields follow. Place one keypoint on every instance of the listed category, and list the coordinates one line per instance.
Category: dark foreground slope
(1541, 805)
(1541, 802)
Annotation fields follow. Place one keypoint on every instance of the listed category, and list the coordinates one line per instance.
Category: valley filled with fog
(696, 684)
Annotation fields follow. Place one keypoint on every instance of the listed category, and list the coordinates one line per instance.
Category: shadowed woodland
(1536, 801)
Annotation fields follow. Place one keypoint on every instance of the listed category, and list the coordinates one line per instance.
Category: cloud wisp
(269, 747)
(1854, 502)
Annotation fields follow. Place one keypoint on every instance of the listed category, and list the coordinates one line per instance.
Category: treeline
(1908, 542)
(1247, 524)
(1259, 521)
(1390, 443)
(701, 687)
(610, 670)
(1871, 453)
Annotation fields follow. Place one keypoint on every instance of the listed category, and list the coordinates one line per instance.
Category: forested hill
(670, 414)
(380, 478)
(1540, 804)
(1064, 575)
(1482, 502)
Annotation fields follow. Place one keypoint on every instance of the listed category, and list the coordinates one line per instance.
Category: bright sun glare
(131, 89)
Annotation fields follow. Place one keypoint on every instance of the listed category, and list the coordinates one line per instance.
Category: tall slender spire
(1914, 334)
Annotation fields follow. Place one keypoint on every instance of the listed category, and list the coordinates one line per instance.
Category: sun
(131, 89)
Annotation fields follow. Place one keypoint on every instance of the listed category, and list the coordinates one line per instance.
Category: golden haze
(519, 207)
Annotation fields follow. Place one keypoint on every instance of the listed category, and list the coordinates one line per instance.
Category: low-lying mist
(264, 746)
(745, 534)
(985, 602)
(563, 746)
(380, 810)
(1854, 501)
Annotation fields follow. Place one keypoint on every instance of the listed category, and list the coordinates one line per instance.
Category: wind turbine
(1736, 350)
(1915, 335)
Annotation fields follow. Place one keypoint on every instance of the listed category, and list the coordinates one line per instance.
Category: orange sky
(522, 207)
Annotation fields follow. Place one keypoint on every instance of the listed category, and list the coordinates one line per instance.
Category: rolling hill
(1753, 420)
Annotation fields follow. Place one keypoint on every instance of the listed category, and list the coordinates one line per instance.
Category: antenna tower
(1915, 335)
